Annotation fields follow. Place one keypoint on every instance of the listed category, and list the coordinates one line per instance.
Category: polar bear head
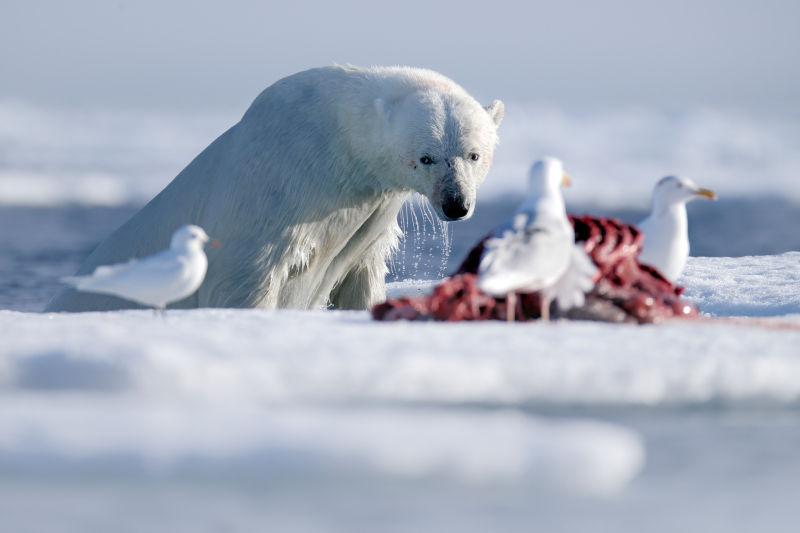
(442, 142)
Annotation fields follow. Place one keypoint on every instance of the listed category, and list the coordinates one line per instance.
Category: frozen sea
(232, 420)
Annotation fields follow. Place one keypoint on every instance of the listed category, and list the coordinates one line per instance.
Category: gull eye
(474, 156)
(426, 160)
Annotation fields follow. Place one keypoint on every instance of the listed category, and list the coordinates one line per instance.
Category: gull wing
(527, 255)
(647, 225)
(579, 278)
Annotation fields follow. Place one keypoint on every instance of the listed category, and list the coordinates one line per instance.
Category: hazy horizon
(185, 55)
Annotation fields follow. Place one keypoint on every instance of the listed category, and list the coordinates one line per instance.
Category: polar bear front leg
(363, 286)
(364, 283)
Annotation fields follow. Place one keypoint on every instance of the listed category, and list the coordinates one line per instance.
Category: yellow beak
(566, 181)
(708, 194)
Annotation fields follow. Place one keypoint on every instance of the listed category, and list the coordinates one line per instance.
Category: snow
(476, 448)
(745, 286)
(329, 390)
(51, 156)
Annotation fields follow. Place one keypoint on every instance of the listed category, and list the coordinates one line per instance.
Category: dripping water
(425, 245)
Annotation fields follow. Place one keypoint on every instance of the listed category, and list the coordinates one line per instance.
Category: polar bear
(305, 190)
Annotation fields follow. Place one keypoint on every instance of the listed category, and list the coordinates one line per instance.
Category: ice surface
(616, 156)
(266, 413)
(96, 157)
(278, 357)
(264, 364)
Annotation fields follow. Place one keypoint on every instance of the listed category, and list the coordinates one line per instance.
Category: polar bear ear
(496, 110)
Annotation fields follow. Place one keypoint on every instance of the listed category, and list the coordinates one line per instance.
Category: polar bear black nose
(455, 207)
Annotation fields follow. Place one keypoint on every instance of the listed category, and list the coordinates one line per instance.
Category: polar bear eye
(474, 156)
(426, 160)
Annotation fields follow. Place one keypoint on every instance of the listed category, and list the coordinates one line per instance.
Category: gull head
(547, 175)
(189, 237)
(674, 190)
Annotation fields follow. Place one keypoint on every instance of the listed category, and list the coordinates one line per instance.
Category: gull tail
(570, 290)
(100, 274)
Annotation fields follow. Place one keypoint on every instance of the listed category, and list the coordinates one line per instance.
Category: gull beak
(708, 194)
(215, 244)
(566, 181)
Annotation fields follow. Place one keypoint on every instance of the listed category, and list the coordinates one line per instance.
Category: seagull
(535, 250)
(666, 230)
(157, 280)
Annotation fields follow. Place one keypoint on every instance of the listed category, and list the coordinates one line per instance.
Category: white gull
(535, 250)
(156, 280)
(666, 229)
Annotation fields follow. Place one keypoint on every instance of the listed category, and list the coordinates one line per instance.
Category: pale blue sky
(186, 54)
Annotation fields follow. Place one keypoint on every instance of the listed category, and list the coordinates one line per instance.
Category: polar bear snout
(453, 198)
(455, 206)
